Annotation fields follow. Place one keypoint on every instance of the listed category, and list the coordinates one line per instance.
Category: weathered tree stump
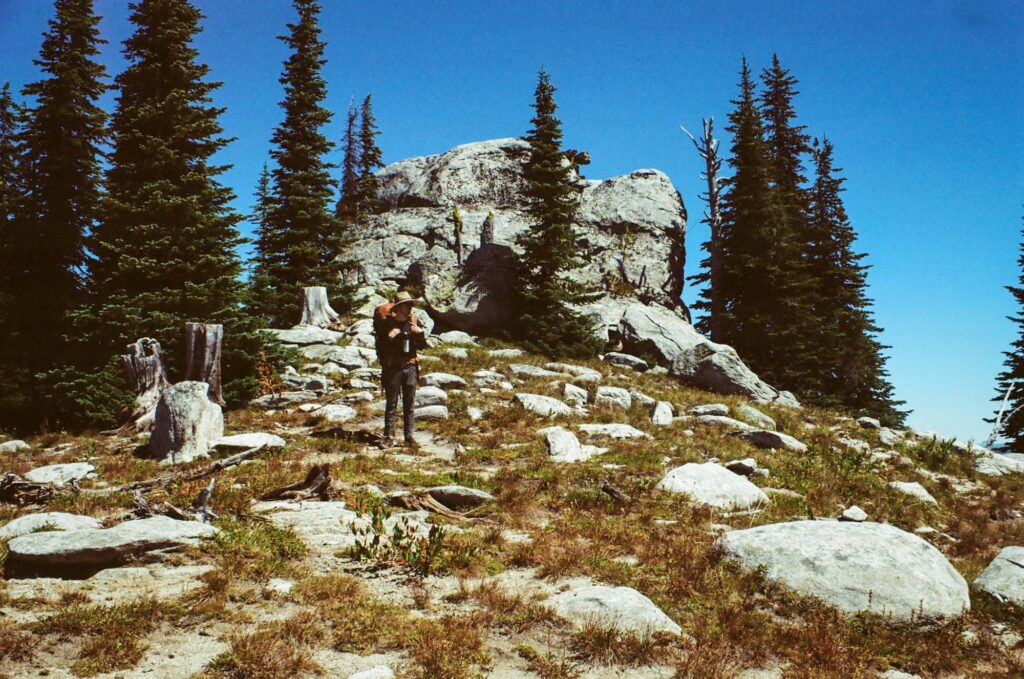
(316, 310)
(202, 356)
(317, 484)
(187, 423)
(147, 377)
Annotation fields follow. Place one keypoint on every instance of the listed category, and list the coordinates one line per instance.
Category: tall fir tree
(260, 219)
(542, 316)
(748, 245)
(349, 201)
(710, 298)
(59, 181)
(852, 373)
(165, 248)
(1011, 430)
(9, 196)
(304, 241)
(370, 159)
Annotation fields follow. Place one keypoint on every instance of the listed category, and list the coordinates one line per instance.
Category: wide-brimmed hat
(403, 297)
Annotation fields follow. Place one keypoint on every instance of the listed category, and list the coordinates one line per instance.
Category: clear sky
(923, 101)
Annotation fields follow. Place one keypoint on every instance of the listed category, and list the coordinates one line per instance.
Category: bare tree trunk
(316, 310)
(707, 147)
(147, 377)
(202, 356)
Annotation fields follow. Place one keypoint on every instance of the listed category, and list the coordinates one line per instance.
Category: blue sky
(922, 100)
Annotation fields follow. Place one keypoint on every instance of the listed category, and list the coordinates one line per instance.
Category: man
(398, 335)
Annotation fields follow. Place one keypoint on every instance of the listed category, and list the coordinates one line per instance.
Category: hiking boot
(386, 442)
(411, 444)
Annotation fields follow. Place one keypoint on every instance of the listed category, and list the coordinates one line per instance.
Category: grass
(451, 647)
(355, 621)
(277, 650)
(255, 550)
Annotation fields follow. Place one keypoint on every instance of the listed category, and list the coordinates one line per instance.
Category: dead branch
(418, 501)
(181, 477)
(17, 491)
(317, 484)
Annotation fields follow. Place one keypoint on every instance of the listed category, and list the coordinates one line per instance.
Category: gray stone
(325, 527)
(432, 412)
(443, 381)
(626, 361)
(573, 395)
(15, 446)
(336, 413)
(430, 396)
(187, 423)
(378, 672)
(542, 405)
(46, 521)
(914, 490)
(474, 413)
(662, 414)
(642, 399)
(303, 335)
(457, 353)
(869, 423)
(755, 416)
(855, 567)
(745, 467)
(720, 421)
(59, 474)
(888, 437)
(713, 485)
(613, 396)
(854, 513)
(623, 608)
(245, 441)
(284, 398)
(990, 463)
(763, 438)
(527, 370)
(613, 430)
(457, 337)
(101, 547)
(505, 353)
(579, 373)
(563, 446)
(1003, 578)
(719, 409)
(459, 497)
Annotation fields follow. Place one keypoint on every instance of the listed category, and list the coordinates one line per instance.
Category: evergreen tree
(349, 201)
(543, 317)
(58, 179)
(259, 283)
(9, 196)
(165, 248)
(747, 237)
(369, 159)
(303, 239)
(852, 373)
(710, 299)
(1012, 424)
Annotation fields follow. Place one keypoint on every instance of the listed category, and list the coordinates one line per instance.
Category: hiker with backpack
(398, 336)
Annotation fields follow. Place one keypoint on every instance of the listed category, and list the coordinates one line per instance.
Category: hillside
(503, 544)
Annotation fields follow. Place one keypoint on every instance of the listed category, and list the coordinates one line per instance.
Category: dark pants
(399, 379)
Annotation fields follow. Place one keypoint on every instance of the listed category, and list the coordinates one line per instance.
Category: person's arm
(419, 335)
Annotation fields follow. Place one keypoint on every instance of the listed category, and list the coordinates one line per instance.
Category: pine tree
(59, 185)
(747, 244)
(9, 196)
(349, 201)
(1012, 424)
(543, 317)
(710, 299)
(304, 237)
(369, 160)
(853, 374)
(259, 282)
(165, 248)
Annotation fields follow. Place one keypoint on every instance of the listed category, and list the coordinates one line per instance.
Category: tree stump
(202, 356)
(187, 423)
(147, 377)
(316, 310)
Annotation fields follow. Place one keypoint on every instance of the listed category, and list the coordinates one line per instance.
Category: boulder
(59, 474)
(713, 485)
(458, 338)
(15, 446)
(1003, 578)
(889, 437)
(459, 497)
(545, 406)
(336, 413)
(721, 421)
(854, 513)
(444, 381)
(187, 424)
(626, 361)
(325, 527)
(869, 423)
(613, 396)
(563, 446)
(622, 608)
(745, 467)
(431, 412)
(990, 463)
(104, 547)
(246, 441)
(613, 430)
(579, 373)
(573, 395)
(430, 396)
(662, 414)
(641, 399)
(284, 398)
(527, 370)
(914, 490)
(855, 567)
(762, 438)
(302, 335)
(755, 416)
(46, 521)
(719, 409)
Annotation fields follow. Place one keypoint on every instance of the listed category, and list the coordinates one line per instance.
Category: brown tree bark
(144, 370)
(202, 356)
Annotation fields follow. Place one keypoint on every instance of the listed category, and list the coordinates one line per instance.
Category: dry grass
(451, 647)
(277, 650)
(354, 620)
(512, 611)
(602, 643)
(16, 644)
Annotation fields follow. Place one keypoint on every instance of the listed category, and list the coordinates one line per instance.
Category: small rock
(284, 398)
(579, 373)
(563, 446)
(430, 396)
(444, 381)
(869, 423)
(280, 585)
(317, 384)
(505, 353)
(913, 489)
(888, 437)
(253, 440)
(357, 383)
(662, 415)
(459, 497)
(623, 608)
(306, 334)
(615, 396)
(744, 467)
(545, 406)
(713, 485)
(763, 438)
(719, 409)
(527, 370)
(433, 412)
(573, 395)
(756, 417)
(474, 413)
(614, 430)
(626, 361)
(336, 413)
(853, 513)
(642, 398)
(15, 446)
(59, 474)
(457, 337)
(457, 353)
(722, 421)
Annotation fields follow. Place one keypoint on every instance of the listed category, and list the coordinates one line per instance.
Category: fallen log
(418, 501)
(317, 484)
(181, 477)
(614, 492)
(17, 491)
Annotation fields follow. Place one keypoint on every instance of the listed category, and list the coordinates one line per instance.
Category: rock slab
(623, 608)
(711, 484)
(1003, 578)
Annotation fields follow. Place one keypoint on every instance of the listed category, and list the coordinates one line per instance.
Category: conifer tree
(543, 317)
(303, 239)
(370, 159)
(852, 373)
(349, 201)
(58, 178)
(1011, 428)
(165, 248)
(9, 196)
(260, 218)
(710, 299)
